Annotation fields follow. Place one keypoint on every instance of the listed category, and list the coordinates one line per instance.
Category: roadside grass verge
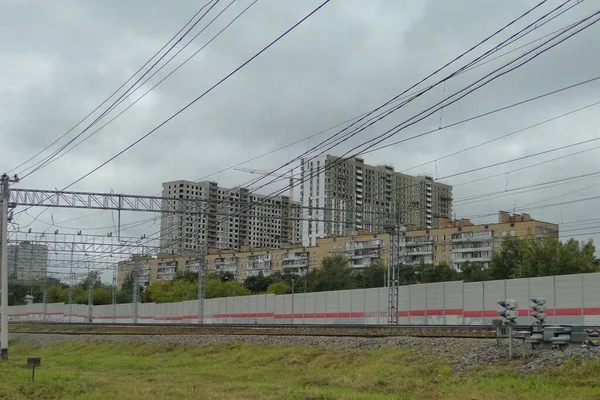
(101, 369)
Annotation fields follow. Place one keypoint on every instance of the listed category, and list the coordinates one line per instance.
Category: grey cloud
(60, 60)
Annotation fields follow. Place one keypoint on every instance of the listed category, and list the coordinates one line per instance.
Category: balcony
(419, 252)
(416, 241)
(472, 249)
(265, 272)
(472, 237)
(364, 254)
(417, 260)
(472, 259)
(371, 244)
(295, 265)
(295, 256)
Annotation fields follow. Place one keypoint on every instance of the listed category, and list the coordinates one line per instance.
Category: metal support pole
(135, 294)
(45, 297)
(71, 288)
(201, 290)
(114, 293)
(4, 273)
(90, 296)
(292, 320)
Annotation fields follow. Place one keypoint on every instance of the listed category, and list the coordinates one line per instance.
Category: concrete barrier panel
(434, 303)
(418, 304)
(453, 303)
(494, 291)
(569, 299)
(473, 303)
(591, 299)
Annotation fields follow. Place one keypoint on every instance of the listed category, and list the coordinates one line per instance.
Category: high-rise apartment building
(341, 196)
(228, 219)
(27, 261)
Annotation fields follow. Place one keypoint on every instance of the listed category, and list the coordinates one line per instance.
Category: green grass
(107, 370)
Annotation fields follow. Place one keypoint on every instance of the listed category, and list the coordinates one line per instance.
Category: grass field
(112, 370)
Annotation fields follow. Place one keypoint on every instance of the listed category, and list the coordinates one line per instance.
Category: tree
(531, 257)
(57, 293)
(474, 272)
(440, 272)
(216, 288)
(279, 288)
(258, 284)
(334, 274)
(171, 291)
(509, 261)
(408, 275)
(125, 293)
(186, 276)
(93, 279)
(226, 276)
(102, 296)
(372, 276)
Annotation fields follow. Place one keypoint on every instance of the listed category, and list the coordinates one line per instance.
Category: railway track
(369, 331)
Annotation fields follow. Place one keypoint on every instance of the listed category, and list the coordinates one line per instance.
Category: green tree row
(517, 258)
(58, 292)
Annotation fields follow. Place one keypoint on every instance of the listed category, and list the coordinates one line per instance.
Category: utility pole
(5, 183)
(114, 293)
(135, 293)
(45, 299)
(71, 288)
(90, 295)
(391, 279)
(201, 271)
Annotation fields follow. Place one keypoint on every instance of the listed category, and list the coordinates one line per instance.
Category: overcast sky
(59, 60)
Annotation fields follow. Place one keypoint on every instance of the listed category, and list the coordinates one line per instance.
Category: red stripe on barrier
(587, 311)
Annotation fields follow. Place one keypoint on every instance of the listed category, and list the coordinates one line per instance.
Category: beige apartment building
(454, 242)
(361, 250)
(460, 241)
(161, 268)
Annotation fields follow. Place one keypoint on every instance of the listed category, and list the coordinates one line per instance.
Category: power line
(201, 96)
(159, 82)
(470, 88)
(115, 92)
(113, 105)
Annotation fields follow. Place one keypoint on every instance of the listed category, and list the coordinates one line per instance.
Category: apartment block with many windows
(459, 241)
(228, 219)
(344, 196)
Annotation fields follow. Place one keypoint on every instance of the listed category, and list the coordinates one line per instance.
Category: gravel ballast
(464, 354)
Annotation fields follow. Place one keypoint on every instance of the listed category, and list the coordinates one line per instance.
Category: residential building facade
(344, 195)
(459, 241)
(27, 261)
(227, 219)
(149, 269)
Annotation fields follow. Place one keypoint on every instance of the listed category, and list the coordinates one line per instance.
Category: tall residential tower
(340, 196)
(229, 219)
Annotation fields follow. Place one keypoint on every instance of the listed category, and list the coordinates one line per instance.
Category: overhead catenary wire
(497, 47)
(114, 103)
(478, 84)
(384, 114)
(91, 134)
(113, 93)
